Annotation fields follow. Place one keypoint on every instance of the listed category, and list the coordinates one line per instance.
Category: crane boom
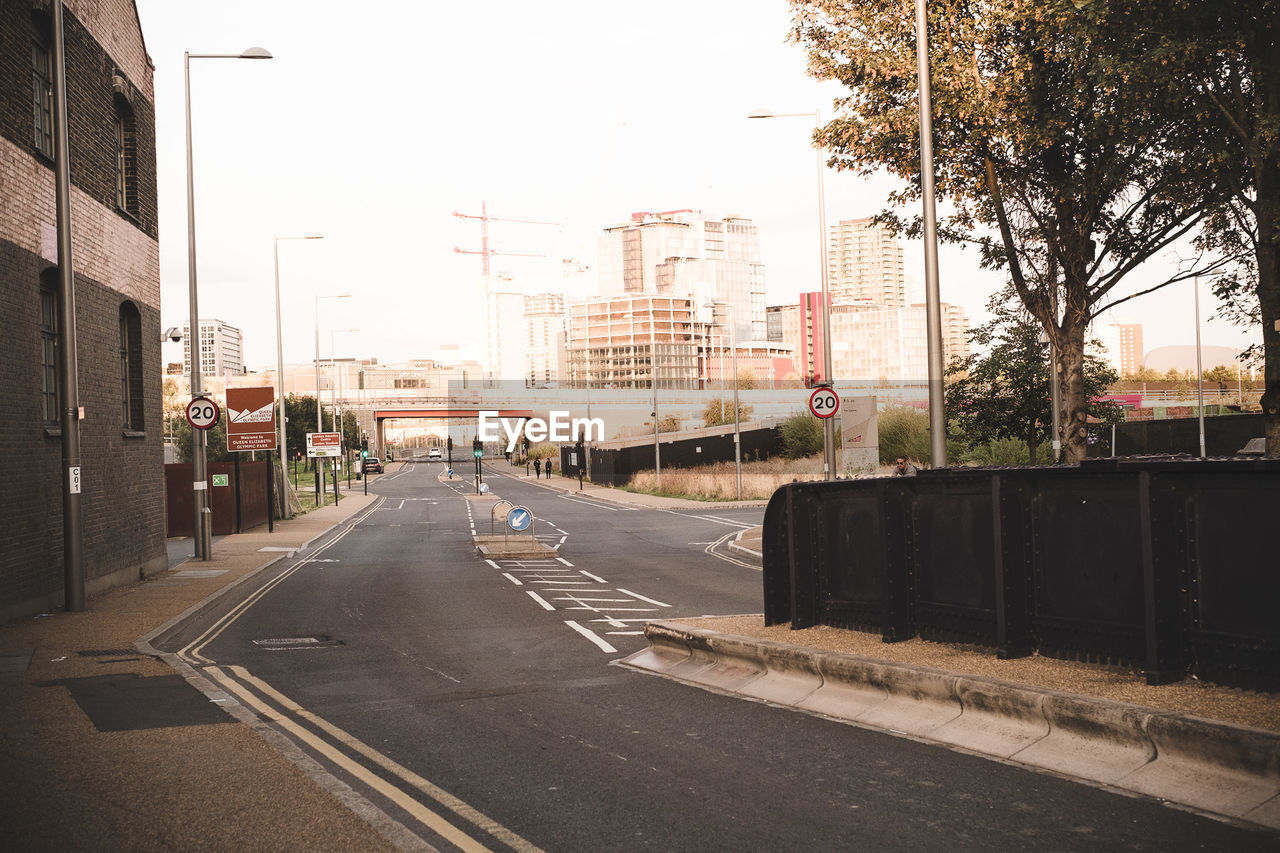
(485, 252)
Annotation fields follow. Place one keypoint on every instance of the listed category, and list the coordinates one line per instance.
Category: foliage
(216, 439)
(301, 414)
(1005, 451)
(720, 411)
(1003, 390)
(1052, 162)
(1143, 374)
(747, 380)
(670, 423)
(801, 435)
(904, 432)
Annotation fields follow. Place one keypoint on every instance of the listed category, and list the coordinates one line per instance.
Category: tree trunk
(1075, 415)
(1268, 255)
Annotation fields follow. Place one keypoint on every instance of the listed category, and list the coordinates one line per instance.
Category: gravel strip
(1191, 696)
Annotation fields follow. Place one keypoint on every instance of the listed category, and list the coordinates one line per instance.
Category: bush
(801, 436)
(904, 432)
(1005, 451)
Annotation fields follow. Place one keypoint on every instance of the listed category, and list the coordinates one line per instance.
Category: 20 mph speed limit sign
(203, 413)
(824, 402)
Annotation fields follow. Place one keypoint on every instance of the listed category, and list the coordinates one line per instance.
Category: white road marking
(545, 604)
(592, 636)
(595, 578)
(492, 563)
(641, 597)
(513, 579)
(566, 562)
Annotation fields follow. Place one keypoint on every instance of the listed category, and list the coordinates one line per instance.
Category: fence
(239, 505)
(1163, 564)
(614, 466)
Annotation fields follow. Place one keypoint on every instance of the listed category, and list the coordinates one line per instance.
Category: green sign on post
(220, 479)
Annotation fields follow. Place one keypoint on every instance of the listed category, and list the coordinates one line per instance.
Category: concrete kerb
(1217, 768)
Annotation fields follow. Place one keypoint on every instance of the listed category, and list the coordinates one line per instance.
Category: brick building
(110, 106)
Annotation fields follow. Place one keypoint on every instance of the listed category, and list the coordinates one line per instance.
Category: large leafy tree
(1053, 164)
(1222, 61)
(1003, 391)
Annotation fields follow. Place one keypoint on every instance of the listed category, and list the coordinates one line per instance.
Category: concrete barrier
(1214, 767)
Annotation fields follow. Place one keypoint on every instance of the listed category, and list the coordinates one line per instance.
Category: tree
(1054, 164)
(301, 414)
(216, 439)
(1143, 374)
(1003, 391)
(1220, 60)
(720, 411)
(904, 432)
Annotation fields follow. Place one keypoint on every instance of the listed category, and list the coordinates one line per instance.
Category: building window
(49, 355)
(42, 95)
(131, 367)
(126, 139)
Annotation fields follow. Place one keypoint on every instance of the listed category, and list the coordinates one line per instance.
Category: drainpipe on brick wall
(72, 517)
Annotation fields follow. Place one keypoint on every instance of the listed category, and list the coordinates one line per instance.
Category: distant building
(625, 341)
(1122, 346)
(116, 260)
(683, 253)
(865, 263)
(545, 318)
(871, 342)
(505, 334)
(221, 349)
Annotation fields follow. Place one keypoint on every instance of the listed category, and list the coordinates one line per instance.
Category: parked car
(372, 465)
(433, 453)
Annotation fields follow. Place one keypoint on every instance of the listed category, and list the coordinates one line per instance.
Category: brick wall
(116, 258)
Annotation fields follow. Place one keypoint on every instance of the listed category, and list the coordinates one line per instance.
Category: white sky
(373, 126)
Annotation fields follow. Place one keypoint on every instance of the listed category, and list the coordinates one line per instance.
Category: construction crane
(485, 252)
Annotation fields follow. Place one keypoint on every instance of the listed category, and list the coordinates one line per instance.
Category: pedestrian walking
(548, 469)
(537, 469)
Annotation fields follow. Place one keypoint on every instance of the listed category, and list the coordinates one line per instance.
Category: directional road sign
(203, 413)
(251, 419)
(519, 518)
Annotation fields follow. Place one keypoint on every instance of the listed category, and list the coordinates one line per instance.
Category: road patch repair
(1215, 767)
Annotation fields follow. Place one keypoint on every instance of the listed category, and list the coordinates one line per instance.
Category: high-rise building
(221, 348)
(504, 330)
(624, 341)
(683, 253)
(1122, 343)
(865, 262)
(871, 342)
(545, 319)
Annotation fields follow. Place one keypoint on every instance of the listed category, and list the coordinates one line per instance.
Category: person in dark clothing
(548, 469)
(537, 469)
(903, 468)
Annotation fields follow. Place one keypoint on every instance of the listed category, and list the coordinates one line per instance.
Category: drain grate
(102, 653)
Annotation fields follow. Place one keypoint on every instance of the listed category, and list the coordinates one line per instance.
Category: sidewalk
(107, 748)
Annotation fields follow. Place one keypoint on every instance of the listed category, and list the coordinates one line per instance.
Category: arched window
(126, 143)
(131, 367)
(50, 414)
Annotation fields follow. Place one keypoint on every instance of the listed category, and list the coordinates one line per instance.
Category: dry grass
(718, 482)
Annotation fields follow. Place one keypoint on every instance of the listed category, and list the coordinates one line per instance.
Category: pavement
(106, 745)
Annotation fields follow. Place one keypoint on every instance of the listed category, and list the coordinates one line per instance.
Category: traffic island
(510, 547)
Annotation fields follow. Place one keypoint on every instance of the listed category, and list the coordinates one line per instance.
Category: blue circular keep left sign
(519, 518)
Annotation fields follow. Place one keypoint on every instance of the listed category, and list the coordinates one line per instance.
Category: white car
(433, 453)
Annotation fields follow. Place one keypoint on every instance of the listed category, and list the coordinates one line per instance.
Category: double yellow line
(239, 686)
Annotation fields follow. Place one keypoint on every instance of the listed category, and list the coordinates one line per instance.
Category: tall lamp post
(828, 424)
(337, 390)
(319, 409)
(284, 451)
(933, 302)
(201, 531)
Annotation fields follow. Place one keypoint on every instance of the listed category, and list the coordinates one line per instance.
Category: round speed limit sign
(203, 413)
(824, 402)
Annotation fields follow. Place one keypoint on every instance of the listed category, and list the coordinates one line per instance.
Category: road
(473, 703)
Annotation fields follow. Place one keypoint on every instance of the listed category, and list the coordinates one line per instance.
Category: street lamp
(337, 406)
(284, 455)
(737, 424)
(828, 424)
(933, 302)
(201, 533)
(319, 420)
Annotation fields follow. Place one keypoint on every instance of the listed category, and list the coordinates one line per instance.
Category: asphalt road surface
(473, 701)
